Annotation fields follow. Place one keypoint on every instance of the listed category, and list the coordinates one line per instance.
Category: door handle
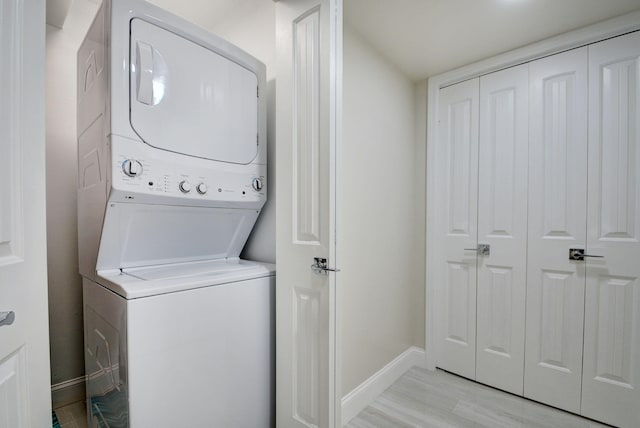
(319, 266)
(7, 318)
(482, 249)
(579, 255)
(144, 63)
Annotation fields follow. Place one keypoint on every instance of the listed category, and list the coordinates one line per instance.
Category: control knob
(184, 186)
(202, 188)
(257, 184)
(132, 168)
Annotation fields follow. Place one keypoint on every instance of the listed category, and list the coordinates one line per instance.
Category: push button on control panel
(184, 186)
(202, 188)
(132, 168)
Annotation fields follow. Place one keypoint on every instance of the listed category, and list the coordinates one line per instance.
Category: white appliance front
(172, 166)
(201, 357)
(188, 99)
(172, 141)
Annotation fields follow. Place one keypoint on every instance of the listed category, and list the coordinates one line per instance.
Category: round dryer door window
(188, 99)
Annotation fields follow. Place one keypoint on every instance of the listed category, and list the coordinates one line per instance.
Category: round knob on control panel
(184, 186)
(202, 188)
(257, 184)
(132, 168)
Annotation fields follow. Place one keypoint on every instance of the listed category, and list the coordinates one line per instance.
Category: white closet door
(611, 381)
(502, 223)
(457, 228)
(557, 222)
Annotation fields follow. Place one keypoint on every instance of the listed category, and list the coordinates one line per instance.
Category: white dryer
(172, 177)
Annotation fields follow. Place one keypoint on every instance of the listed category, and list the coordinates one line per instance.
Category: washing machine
(179, 330)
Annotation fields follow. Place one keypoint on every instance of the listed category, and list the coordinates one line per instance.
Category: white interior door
(611, 380)
(557, 222)
(502, 224)
(25, 395)
(307, 69)
(456, 228)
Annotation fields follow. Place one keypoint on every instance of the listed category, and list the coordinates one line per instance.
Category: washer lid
(138, 235)
(148, 281)
(188, 99)
(210, 269)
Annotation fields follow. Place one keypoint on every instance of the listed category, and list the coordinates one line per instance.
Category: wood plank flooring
(422, 398)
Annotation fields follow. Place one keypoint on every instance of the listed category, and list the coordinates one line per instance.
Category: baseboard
(67, 392)
(366, 393)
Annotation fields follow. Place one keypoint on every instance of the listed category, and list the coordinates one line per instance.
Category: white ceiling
(423, 37)
(427, 37)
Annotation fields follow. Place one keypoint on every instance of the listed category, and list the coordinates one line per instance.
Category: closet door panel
(557, 222)
(611, 379)
(457, 228)
(502, 223)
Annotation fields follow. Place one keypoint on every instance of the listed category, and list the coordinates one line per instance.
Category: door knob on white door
(319, 266)
(7, 318)
(579, 255)
(482, 249)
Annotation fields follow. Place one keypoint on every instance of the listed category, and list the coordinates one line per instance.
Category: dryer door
(188, 99)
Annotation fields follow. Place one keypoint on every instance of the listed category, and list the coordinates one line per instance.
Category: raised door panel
(502, 223)
(611, 375)
(13, 391)
(556, 222)
(457, 226)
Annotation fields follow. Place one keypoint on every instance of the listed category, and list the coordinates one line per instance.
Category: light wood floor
(422, 398)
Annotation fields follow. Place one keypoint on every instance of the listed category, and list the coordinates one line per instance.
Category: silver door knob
(579, 255)
(482, 249)
(319, 266)
(7, 318)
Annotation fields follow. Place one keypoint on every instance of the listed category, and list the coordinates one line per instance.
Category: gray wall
(65, 286)
(380, 215)
(420, 194)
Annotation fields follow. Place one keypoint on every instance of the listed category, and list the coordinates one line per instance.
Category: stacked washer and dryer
(172, 168)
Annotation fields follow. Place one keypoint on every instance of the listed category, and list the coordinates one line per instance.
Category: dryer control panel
(143, 174)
